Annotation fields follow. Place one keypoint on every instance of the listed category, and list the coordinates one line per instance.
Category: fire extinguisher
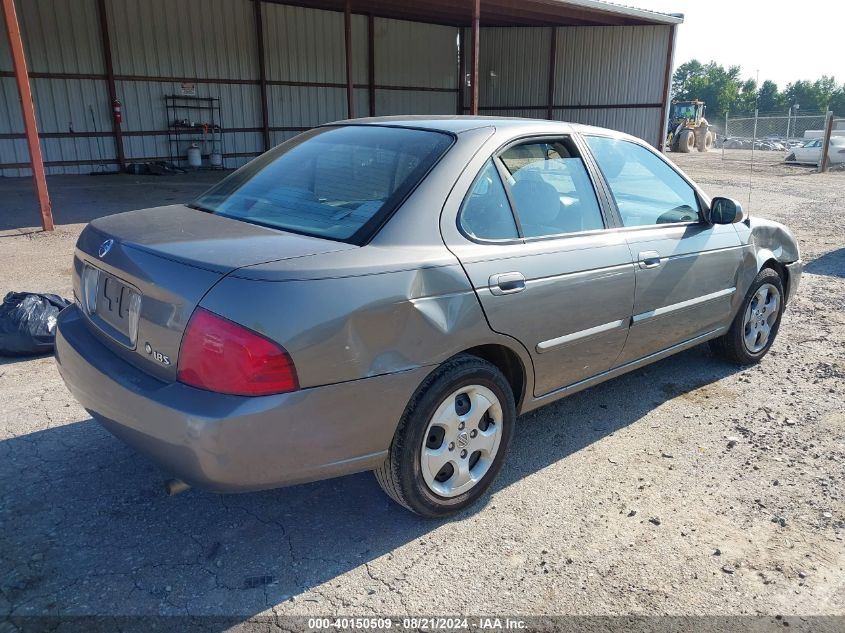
(118, 115)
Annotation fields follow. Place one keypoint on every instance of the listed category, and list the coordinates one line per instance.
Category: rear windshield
(333, 182)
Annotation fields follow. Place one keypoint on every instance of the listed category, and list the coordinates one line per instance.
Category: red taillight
(218, 355)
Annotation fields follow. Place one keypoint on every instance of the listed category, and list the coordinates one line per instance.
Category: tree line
(724, 90)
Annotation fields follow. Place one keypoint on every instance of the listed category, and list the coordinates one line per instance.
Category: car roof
(457, 124)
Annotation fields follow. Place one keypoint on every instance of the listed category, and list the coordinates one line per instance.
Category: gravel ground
(688, 487)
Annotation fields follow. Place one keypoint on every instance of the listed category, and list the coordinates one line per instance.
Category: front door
(546, 270)
(686, 269)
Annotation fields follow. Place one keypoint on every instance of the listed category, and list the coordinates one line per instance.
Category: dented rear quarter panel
(338, 329)
(401, 302)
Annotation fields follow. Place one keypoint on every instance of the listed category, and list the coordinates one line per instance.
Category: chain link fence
(766, 139)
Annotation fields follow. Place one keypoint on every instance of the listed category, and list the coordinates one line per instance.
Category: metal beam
(262, 73)
(105, 41)
(476, 23)
(28, 110)
(371, 62)
(501, 12)
(347, 28)
(667, 89)
(462, 73)
(552, 63)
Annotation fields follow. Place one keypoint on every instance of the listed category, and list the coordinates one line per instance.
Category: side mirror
(725, 211)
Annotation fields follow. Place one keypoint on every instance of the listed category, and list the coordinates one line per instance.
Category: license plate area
(112, 305)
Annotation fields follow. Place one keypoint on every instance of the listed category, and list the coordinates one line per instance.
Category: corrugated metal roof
(624, 9)
(503, 12)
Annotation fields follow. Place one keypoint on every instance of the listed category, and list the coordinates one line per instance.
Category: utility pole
(828, 132)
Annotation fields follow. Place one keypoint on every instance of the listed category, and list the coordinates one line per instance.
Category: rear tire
(706, 143)
(756, 325)
(686, 141)
(459, 392)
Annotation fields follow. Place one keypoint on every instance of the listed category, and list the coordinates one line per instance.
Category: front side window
(486, 213)
(551, 189)
(646, 189)
(334, 182)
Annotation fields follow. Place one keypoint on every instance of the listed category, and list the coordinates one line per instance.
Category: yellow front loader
(688, 129)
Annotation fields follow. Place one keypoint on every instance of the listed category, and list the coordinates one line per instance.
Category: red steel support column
(552, 62)
(350, 93)
(28, 109)
(262, 73)
(105, 41)
(371, 61)
(462, 64)
(476, 21)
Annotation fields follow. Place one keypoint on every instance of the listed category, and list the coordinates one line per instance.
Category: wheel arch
(781, 270)
(509, 363)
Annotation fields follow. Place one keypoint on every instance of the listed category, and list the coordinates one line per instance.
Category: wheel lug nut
(473, 433)
(461, 426)
(464, 454)
(451, 446)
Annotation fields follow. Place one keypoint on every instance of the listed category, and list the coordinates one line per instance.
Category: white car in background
(810, 153)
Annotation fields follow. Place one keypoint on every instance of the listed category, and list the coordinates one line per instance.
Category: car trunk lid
(208, 241)
(147, 271)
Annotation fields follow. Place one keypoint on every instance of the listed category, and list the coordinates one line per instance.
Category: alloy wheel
(461, 441)
(760, 318)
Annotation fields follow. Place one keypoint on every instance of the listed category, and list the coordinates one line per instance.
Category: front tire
(686, 141)
(756, 325)
(452, 439)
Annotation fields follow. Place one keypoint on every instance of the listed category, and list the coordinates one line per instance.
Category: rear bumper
(793, 280)
(232, 443)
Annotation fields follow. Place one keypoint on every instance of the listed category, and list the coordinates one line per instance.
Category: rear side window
(646, 189)
(486, 213)
(335, 182)
(551, 189)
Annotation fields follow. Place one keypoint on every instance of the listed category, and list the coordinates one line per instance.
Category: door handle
(649, 259)
(506, 283)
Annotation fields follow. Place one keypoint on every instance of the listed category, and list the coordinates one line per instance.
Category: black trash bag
(28, 323)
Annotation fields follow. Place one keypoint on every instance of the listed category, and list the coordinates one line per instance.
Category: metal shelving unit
(194, 120)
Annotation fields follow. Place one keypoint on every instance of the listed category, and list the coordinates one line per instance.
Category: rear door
(686, 269)
(532, 238)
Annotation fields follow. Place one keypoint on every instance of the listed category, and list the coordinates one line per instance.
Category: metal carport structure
(282, 67)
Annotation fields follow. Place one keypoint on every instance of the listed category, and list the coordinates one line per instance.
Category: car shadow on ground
(86, 527)
(831, 264)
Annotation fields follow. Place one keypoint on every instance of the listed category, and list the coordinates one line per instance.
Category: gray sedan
(390, 294)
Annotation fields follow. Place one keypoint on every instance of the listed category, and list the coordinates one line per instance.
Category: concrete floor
(80, 199)
(657, 493)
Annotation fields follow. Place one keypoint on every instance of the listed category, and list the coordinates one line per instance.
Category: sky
(784, 40)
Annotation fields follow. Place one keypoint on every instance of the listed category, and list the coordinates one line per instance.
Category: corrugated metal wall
(308, 46)
(61, 36)
(513, 67)
(158, 44)
(596, 68)
(410, 54)
(613, 65)
(185, 39)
